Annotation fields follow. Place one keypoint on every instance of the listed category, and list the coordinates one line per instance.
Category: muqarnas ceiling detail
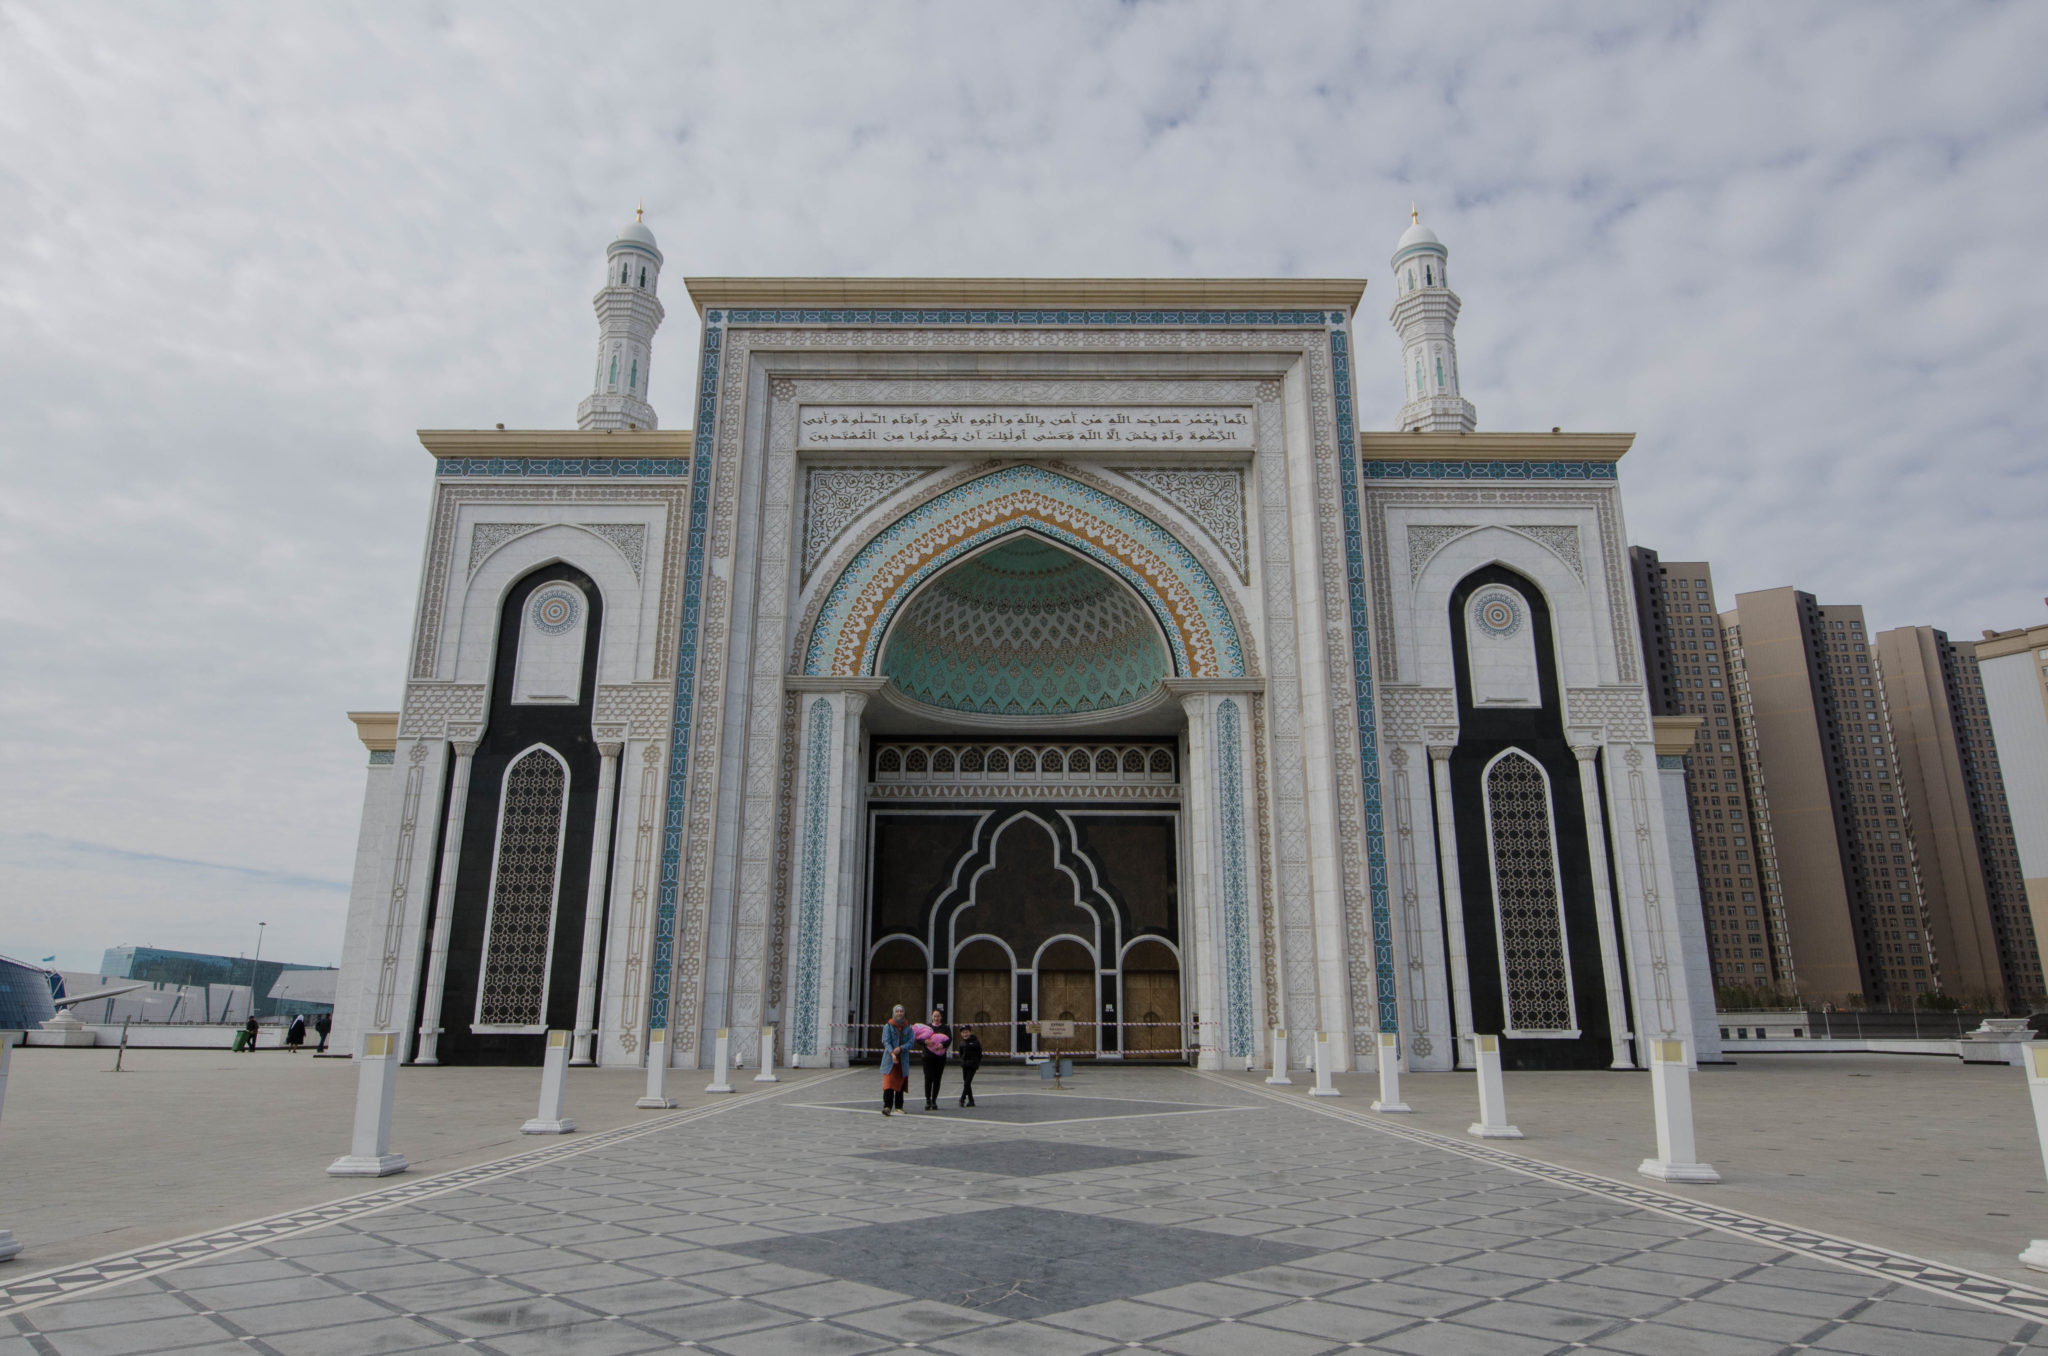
(1025, 629)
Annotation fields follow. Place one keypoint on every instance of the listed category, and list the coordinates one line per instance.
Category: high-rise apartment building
(2014, 670)
(1810, 707)
(1684, 656)
(1957, 816)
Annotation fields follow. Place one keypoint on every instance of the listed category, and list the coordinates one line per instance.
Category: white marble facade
(1198, 443)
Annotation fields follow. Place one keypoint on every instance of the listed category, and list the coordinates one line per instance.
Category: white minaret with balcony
(1425, 315)
(628, 314)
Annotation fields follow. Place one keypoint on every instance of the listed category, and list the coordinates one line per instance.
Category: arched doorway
(985, 993)
(1066, 985)
(1150, 1011)
(897, 974)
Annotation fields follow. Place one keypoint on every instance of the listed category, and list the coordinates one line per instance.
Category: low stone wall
(169, 1036)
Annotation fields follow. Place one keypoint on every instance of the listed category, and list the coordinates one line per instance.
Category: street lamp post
(253, 962)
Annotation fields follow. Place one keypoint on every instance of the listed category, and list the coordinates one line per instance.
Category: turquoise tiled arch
(836, 612)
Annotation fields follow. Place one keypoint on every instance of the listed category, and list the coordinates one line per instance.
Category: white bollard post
(369, 1153)
(1390, 1074)
(767, 1074)
(1493, 1095)
(1671, 1087)
(1280, 1077)
(657, 1098)
(2034, 1058)
(554, 1078)
(9, 1244)
(721, 1064)
(1323, 1087)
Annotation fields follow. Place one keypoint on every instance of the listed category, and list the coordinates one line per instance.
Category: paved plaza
(1140, 1209)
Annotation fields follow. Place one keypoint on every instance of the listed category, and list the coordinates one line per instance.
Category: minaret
(628, 313)
(1425, 314)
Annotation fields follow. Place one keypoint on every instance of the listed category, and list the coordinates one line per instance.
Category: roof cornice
(557, 442)
(1495, 446)
(1003, 293)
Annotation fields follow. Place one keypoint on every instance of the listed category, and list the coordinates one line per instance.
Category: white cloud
(245, 252)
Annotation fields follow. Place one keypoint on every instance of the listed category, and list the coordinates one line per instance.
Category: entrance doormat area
(1020, 1261)
(1022, 1157)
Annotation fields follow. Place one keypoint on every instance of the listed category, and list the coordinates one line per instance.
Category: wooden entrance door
(1152, 1014)
(895, 975)
(981, 998)
(1068, 996)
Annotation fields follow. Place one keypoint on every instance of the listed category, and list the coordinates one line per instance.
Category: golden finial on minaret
(1414, 217)
(640, 211)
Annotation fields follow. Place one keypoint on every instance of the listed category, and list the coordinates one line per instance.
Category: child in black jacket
(969, 1051)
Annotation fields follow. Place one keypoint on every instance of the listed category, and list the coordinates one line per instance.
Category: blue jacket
(896, 1046)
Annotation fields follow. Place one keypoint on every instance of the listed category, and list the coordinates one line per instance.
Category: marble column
(444, 905)
(1587, 751)
(1454, 901)
(594, 900)
(826, 829)
(1224, 866)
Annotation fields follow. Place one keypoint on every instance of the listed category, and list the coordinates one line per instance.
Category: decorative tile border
(587, 468)
(1954, 1282)
(1361, 674)
(1491, 470)
(811, 910)
(1235, 904)
(64, 1283)
(661, 969)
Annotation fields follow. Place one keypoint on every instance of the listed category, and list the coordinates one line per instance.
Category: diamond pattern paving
(775, 1226)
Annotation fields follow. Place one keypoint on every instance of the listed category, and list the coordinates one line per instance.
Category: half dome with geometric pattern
(1025, 629)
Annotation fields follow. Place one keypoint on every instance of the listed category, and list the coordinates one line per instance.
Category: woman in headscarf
(896, 1044)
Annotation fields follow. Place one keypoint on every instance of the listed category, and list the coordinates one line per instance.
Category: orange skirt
(893, 1078)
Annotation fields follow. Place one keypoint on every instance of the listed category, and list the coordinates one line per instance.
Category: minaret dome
(628, 313)
(1425, 315)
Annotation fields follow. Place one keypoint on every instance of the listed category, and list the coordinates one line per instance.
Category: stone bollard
(1493, 1096)
(9, 1244)
(369, 1153)
(1390, 1074)
(1671, 1088)
(554, 1080)
(657, 1098)
(1280, 1078)
(721, 1064)
(1323, 1087)
(767, 1074)
(2035, 1061)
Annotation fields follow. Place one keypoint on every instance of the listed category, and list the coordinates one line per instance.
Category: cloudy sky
(245, 251)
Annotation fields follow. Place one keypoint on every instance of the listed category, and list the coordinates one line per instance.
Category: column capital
(856, 702)
(1441, 753)
(611, 748)
(1585, 741)
(466, 748)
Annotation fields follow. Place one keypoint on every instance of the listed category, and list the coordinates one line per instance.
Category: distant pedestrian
(295, 1034)
(249, 1028)
(935, 1043)
(969, 1048)
(323, 1024)
(896, 1041)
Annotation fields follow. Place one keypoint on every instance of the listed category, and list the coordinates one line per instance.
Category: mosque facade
(1066, 654)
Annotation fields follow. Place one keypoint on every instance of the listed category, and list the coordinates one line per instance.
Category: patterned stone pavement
(1148, 1210)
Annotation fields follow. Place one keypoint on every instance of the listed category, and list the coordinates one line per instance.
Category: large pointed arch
(855, 612)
